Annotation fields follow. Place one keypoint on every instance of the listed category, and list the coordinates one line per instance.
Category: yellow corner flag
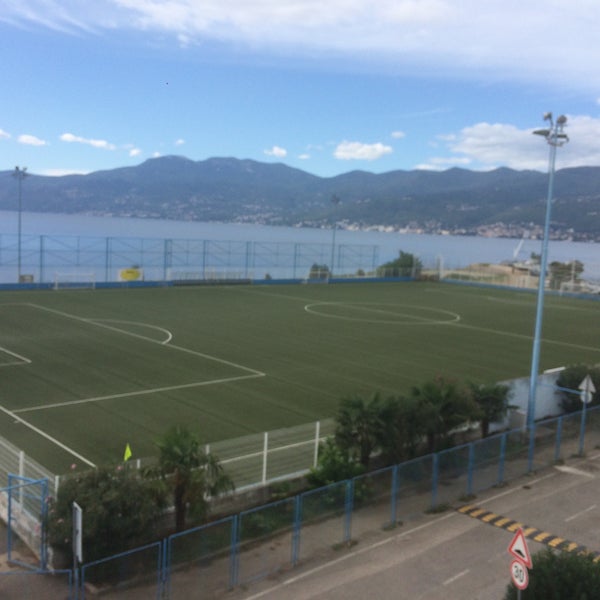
(127, 454)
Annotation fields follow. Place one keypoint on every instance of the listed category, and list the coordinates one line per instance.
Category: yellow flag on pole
(127, 454)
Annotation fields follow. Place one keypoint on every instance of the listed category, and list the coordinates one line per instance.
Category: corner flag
(127, 454)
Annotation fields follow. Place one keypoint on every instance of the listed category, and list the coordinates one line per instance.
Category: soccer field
(85, 372)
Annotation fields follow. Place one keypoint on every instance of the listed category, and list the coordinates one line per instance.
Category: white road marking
(574, 471)
(580, 513)
(457, 576)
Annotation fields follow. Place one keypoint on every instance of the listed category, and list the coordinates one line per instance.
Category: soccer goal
(74, 281)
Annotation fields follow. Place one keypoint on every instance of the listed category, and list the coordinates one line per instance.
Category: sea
(452, 250)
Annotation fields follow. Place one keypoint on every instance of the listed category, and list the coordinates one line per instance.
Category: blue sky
(327, 87)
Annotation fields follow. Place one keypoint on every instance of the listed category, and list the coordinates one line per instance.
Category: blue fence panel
(453, 473)
(374, 505)
(265, 540)
(140, 569)
(415, 486)
(324, 518)
(200, 561)
(487, 454)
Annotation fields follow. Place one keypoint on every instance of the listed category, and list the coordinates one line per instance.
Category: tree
(120, 508)
(400, 430)
(560, 575)
(190, 474)
(563, 272)
(319, 272)
(357, 422)
(570, 379)
(334, 464)
(492, 400)
(406, 265)
(442, 407)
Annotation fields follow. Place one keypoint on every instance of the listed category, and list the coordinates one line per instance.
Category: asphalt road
(453, 555)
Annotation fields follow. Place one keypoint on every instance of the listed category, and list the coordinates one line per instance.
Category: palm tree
(442, 406)
(492, 400)
(190, 473)
(357, 423)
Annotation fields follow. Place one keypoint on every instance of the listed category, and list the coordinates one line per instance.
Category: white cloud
(70, 138)
(31, 140)
(304, 156)
(4, 135)
(180, 142)
(489, 146)
(134, 152)
(398, 135)
(359, 151)
(156, 154)
(534, 40)
(276, 151)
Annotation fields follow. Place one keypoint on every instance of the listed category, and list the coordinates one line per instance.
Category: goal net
(74, 281)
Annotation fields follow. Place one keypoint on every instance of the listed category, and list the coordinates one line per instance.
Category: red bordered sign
(519, 574)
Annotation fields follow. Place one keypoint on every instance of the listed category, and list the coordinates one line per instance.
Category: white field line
(521, 336)
(138, 393)
(97, 323)
(21, 360)
(48, 437)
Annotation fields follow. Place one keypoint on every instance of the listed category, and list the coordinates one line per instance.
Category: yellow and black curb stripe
(532, 533)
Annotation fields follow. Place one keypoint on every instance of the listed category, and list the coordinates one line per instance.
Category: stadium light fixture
(20, 173)
(555, 137)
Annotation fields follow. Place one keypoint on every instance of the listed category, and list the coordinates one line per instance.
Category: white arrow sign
(587, 388)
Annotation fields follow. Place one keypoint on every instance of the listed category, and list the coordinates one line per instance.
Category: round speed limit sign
(519, 574)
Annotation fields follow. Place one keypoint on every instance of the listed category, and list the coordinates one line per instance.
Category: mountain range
(459, 201)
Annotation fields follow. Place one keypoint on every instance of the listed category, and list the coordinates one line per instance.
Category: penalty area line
(48, 437)
(139, 393)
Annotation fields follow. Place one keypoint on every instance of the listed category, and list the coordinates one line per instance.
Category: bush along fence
(261, 541)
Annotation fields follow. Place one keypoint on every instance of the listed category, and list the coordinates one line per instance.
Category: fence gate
(25, 501)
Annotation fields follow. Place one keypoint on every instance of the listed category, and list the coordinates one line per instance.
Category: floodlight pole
(555, 138)
(335, 201)
(20, 174)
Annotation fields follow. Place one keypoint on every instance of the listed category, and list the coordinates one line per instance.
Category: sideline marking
(48, 437)
(137, 393)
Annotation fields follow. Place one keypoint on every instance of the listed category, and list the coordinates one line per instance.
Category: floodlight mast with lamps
(20, 173)
(555, 137)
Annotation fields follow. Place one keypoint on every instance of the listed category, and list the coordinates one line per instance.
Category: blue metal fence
(277, 536)
(42, 257)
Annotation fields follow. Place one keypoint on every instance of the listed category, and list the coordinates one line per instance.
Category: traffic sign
(519, 574)
(587, 388)
(518, 548)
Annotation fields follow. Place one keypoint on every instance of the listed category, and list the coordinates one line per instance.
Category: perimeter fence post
(265, 457)
(531, 450)
(297, 526)
(394, 494)
(349, 507)
(470, 468)
(317, 436)
(502, 458)
(434, 478)
(165, 578)
(234, 554)
(558, 442)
